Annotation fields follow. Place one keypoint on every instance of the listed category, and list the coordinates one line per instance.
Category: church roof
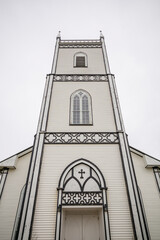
(149, 160)
(10, 162)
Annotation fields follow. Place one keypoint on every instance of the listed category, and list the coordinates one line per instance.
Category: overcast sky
(28, 31)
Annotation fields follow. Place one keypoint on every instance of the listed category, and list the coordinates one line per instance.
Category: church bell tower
(81, 182)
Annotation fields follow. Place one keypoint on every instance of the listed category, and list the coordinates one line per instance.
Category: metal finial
(101, 35)
(59, 34)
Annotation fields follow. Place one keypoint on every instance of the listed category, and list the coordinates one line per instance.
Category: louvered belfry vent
(80, 61)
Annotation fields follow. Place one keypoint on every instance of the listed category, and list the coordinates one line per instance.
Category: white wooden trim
(126, 157)
(2, 180)
(27, 213)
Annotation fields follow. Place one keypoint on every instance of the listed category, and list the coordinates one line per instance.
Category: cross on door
(81, 172)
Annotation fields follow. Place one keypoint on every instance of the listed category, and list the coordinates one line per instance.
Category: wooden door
(81, 227)
(90, 229)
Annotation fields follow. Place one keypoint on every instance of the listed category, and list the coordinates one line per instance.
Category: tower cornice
(83, 43)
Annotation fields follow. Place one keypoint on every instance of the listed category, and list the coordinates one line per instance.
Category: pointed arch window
(80, 59)
(81, 108)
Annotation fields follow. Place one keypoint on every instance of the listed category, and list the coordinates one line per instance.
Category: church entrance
(82, 204)
(81, 225)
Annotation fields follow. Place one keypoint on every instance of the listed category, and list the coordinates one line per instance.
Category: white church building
(80, 180)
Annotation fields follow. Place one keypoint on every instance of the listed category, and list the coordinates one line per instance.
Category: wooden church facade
(81, 179)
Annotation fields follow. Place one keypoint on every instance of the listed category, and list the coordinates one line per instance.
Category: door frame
(83, 210)
(102, 204)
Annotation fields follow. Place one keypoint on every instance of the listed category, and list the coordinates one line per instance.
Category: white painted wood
(83, 178)
(58, 157)
(73, 227)
(80, 162)
(9, 162)
(107, 68)
(43, 104)
(106, 157)
(54, 64)
(18, 214)
(91, 185)
(90, 227)
(157, 176)
(82, 224)
(116, 110)
(103, 119)
(150, 194)
(46, 105)
(72, 185)
(85, 213)
(59, 220)
(33, 189)
(3, 176)
(36, 159)
(151, 162)
(131, 186)
(65, 64)
(10, 197)
(138, 219)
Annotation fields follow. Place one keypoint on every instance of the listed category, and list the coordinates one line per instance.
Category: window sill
(80, 66)
(81, 124)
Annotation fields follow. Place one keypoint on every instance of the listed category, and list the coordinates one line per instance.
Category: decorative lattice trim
(90, 138)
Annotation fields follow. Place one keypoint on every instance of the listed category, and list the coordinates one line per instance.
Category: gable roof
(149, 160)
(11, 161)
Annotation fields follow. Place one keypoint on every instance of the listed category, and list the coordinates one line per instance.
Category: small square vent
(80, 61)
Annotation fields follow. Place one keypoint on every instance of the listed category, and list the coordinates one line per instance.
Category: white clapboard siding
(103, 119)
(65, 61)
(150, 194)
(55, 159)
(15, 180)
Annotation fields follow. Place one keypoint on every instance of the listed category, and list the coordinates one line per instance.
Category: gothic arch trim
(87, 93)
(70, 179)
(86, 162)
(93, 197)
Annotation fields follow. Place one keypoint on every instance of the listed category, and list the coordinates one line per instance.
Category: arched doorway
(82, 203)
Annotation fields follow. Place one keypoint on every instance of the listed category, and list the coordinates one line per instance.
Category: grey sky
(28, 31)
